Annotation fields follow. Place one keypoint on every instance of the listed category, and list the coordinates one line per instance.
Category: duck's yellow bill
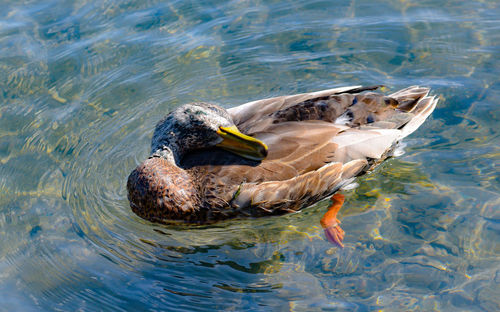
(241, 144)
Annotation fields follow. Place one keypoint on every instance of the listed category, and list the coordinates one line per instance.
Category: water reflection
(83, 84)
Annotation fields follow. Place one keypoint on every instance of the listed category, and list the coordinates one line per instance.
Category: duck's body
(317, 142)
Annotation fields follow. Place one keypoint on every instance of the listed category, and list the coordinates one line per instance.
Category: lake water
(83, 84)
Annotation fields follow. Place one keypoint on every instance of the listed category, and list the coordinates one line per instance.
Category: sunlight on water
(83, 84)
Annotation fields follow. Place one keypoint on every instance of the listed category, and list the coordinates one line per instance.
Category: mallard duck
(271, 156)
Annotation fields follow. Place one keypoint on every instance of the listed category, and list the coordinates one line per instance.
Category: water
(83, 84)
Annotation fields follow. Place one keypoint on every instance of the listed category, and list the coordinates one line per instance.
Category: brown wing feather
(278, 197)
(252, 113)
(317, 142)
(305, 145)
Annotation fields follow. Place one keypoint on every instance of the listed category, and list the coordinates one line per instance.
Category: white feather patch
(358, 144)
(342, 119)
(350, 186)
(399, 150)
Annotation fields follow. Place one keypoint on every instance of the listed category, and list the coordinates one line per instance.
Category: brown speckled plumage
(317, 142)
(154, 198)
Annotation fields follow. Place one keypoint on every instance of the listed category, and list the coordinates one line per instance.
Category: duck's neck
(172, 153)
(169, 143)
(166, 153)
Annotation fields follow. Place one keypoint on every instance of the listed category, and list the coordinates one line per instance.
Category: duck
(272, 156)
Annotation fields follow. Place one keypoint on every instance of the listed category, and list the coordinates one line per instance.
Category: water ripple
(83, 84)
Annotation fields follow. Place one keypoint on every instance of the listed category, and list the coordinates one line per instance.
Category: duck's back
(333, 134)
(309, 130)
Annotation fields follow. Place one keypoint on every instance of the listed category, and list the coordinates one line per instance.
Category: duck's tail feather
(383, 121)
(409, 97)
(415, 101)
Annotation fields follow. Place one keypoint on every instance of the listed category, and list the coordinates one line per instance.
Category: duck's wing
(328, 139)
(298, 128)
(279, 197)
(249, 114)
(342, 126)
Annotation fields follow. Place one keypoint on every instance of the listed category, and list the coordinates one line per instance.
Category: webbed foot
(331, 225)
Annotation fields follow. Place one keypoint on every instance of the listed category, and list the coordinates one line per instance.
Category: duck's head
(201, 125)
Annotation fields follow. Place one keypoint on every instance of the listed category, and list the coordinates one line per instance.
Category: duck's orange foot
(334, 234)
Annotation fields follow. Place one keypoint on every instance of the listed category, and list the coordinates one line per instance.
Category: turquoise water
(83, 84)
